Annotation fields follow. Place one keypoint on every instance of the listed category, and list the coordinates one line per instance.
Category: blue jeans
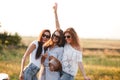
(66, 76)
(30, 72)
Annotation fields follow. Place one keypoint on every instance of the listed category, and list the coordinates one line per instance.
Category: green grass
(98, 64)
(100, 73)
(10, 60)
(113, 61)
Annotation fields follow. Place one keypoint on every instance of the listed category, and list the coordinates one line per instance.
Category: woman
(54, 49)
(34, 51)
(72, 56)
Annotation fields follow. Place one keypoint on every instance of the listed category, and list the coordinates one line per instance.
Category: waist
(68, 74)
(33, 66)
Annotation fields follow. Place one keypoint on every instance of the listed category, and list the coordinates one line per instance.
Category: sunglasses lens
(67, 36)
(54, 35)
(43, 35)
(47, 36)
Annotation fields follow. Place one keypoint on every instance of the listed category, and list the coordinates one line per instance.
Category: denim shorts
(30, 72)
(66, 76)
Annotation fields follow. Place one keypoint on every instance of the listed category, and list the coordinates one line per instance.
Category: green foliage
(1, 47)
(7, 39)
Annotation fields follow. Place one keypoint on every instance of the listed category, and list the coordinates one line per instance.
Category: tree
(8, 39)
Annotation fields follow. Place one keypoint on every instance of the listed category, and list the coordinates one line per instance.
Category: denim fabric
(30, 72)
(50, 75)
(66, 76)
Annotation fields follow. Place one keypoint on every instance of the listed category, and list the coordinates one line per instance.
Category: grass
(103, 61)
(98, 64)
(100, 43)
(97, 72)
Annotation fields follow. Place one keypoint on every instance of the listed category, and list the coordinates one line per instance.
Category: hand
(86, 78)
(21, 76)
(43, 59)
(55, 7)
(45, 55)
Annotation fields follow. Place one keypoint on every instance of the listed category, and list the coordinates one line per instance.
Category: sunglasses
(67, 36)
(54, 35)
(47, 36)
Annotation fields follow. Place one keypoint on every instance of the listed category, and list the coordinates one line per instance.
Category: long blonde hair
(74, 36)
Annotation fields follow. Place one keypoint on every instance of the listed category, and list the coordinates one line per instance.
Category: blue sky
(90, 18)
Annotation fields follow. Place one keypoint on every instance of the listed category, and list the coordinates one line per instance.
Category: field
(101, 59)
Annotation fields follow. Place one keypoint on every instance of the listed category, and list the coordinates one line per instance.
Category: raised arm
(56, 17)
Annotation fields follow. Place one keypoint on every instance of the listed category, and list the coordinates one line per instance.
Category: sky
(90, 18)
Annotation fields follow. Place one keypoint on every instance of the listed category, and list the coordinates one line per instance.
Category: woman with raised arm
(72, 56)
(53, 57)
(51, 60)
(34, 52)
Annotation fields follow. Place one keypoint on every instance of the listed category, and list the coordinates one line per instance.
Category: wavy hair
(74, 36)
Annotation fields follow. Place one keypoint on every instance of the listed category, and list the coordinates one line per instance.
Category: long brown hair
(61, 41)
(42, 32)
(74, 36)
(40, 43)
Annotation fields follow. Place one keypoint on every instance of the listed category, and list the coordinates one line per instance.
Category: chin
(68, 42)
(43, 41)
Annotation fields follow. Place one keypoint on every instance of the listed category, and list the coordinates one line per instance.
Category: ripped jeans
(30, 72)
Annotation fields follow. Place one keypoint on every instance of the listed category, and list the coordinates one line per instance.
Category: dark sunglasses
(54, 35)
(47, 36)
(67, 36)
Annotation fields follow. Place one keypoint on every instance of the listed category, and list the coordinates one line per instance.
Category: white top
(32, 55)
(70, 60)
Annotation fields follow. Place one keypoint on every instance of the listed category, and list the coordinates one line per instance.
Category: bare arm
(27, 53)
(56, 17)
(82, 70)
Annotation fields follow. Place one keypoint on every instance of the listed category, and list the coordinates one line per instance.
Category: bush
(1, 47)
(7, 39)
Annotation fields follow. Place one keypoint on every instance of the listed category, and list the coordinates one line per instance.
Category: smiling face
(68, 37)
(45, 37)
(56, 37)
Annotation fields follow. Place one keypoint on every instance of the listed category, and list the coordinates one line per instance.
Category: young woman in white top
(34, 51)
(72, 56)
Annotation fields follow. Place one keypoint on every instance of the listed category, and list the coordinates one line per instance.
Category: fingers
(46, 54)
(55, 6)
(87, 78)
(21, 78)
(44, 57)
